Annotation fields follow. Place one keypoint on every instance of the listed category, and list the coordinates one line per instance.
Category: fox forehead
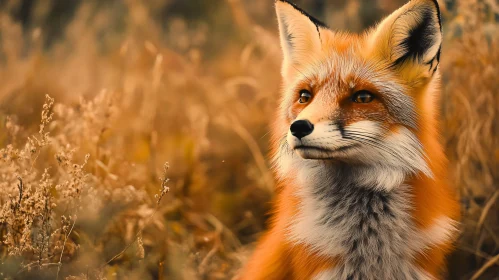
(347, 59)
(337, 72)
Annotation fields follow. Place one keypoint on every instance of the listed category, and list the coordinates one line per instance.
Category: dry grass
(92, 108)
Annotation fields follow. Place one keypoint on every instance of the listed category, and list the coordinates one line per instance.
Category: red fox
(362, 183)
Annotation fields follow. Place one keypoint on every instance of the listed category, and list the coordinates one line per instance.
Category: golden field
(134, 134)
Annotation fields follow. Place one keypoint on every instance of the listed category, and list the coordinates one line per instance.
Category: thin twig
(486, 210)
(491, 233)
(255, 151)
(478, 254)
(488, 264)
(35, 264)
(20, 186)
(63, 246)
(211, 253)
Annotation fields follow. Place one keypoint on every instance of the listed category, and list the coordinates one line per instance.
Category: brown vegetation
(91, 109)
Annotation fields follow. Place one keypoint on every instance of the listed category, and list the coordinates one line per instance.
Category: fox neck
(368, 228)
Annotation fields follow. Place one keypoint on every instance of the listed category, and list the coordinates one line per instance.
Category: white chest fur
(371, 229)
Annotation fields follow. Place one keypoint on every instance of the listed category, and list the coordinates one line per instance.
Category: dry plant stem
(255, 151)
(478, 254)
(481, 239)
(21, 188)
(164, 190)
(483, 216)
(488, 264)
(491, 233)
(486, 210)
(63, 246)
(211, 253)
(161, 269)
(136, 236)
(216, 246)
(31, 265)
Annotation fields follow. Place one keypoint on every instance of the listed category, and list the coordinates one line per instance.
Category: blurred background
(95, 97)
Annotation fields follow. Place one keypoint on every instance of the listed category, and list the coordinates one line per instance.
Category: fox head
(364, 100)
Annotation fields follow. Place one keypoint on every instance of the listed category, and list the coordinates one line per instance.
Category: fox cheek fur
(363, 191)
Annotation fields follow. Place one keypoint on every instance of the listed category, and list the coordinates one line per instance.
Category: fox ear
(299, 34)
(412, 34)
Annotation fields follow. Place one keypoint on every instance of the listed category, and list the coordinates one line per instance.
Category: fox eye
(362, 96)
(305, 96)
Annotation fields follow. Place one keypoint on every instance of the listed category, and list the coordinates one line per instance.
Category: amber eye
(305, 96)
(362, 96)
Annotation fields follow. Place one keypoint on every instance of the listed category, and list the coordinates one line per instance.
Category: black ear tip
(317, 22)
(436, 6)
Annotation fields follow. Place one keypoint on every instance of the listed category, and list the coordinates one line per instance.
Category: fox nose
(301, 128)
